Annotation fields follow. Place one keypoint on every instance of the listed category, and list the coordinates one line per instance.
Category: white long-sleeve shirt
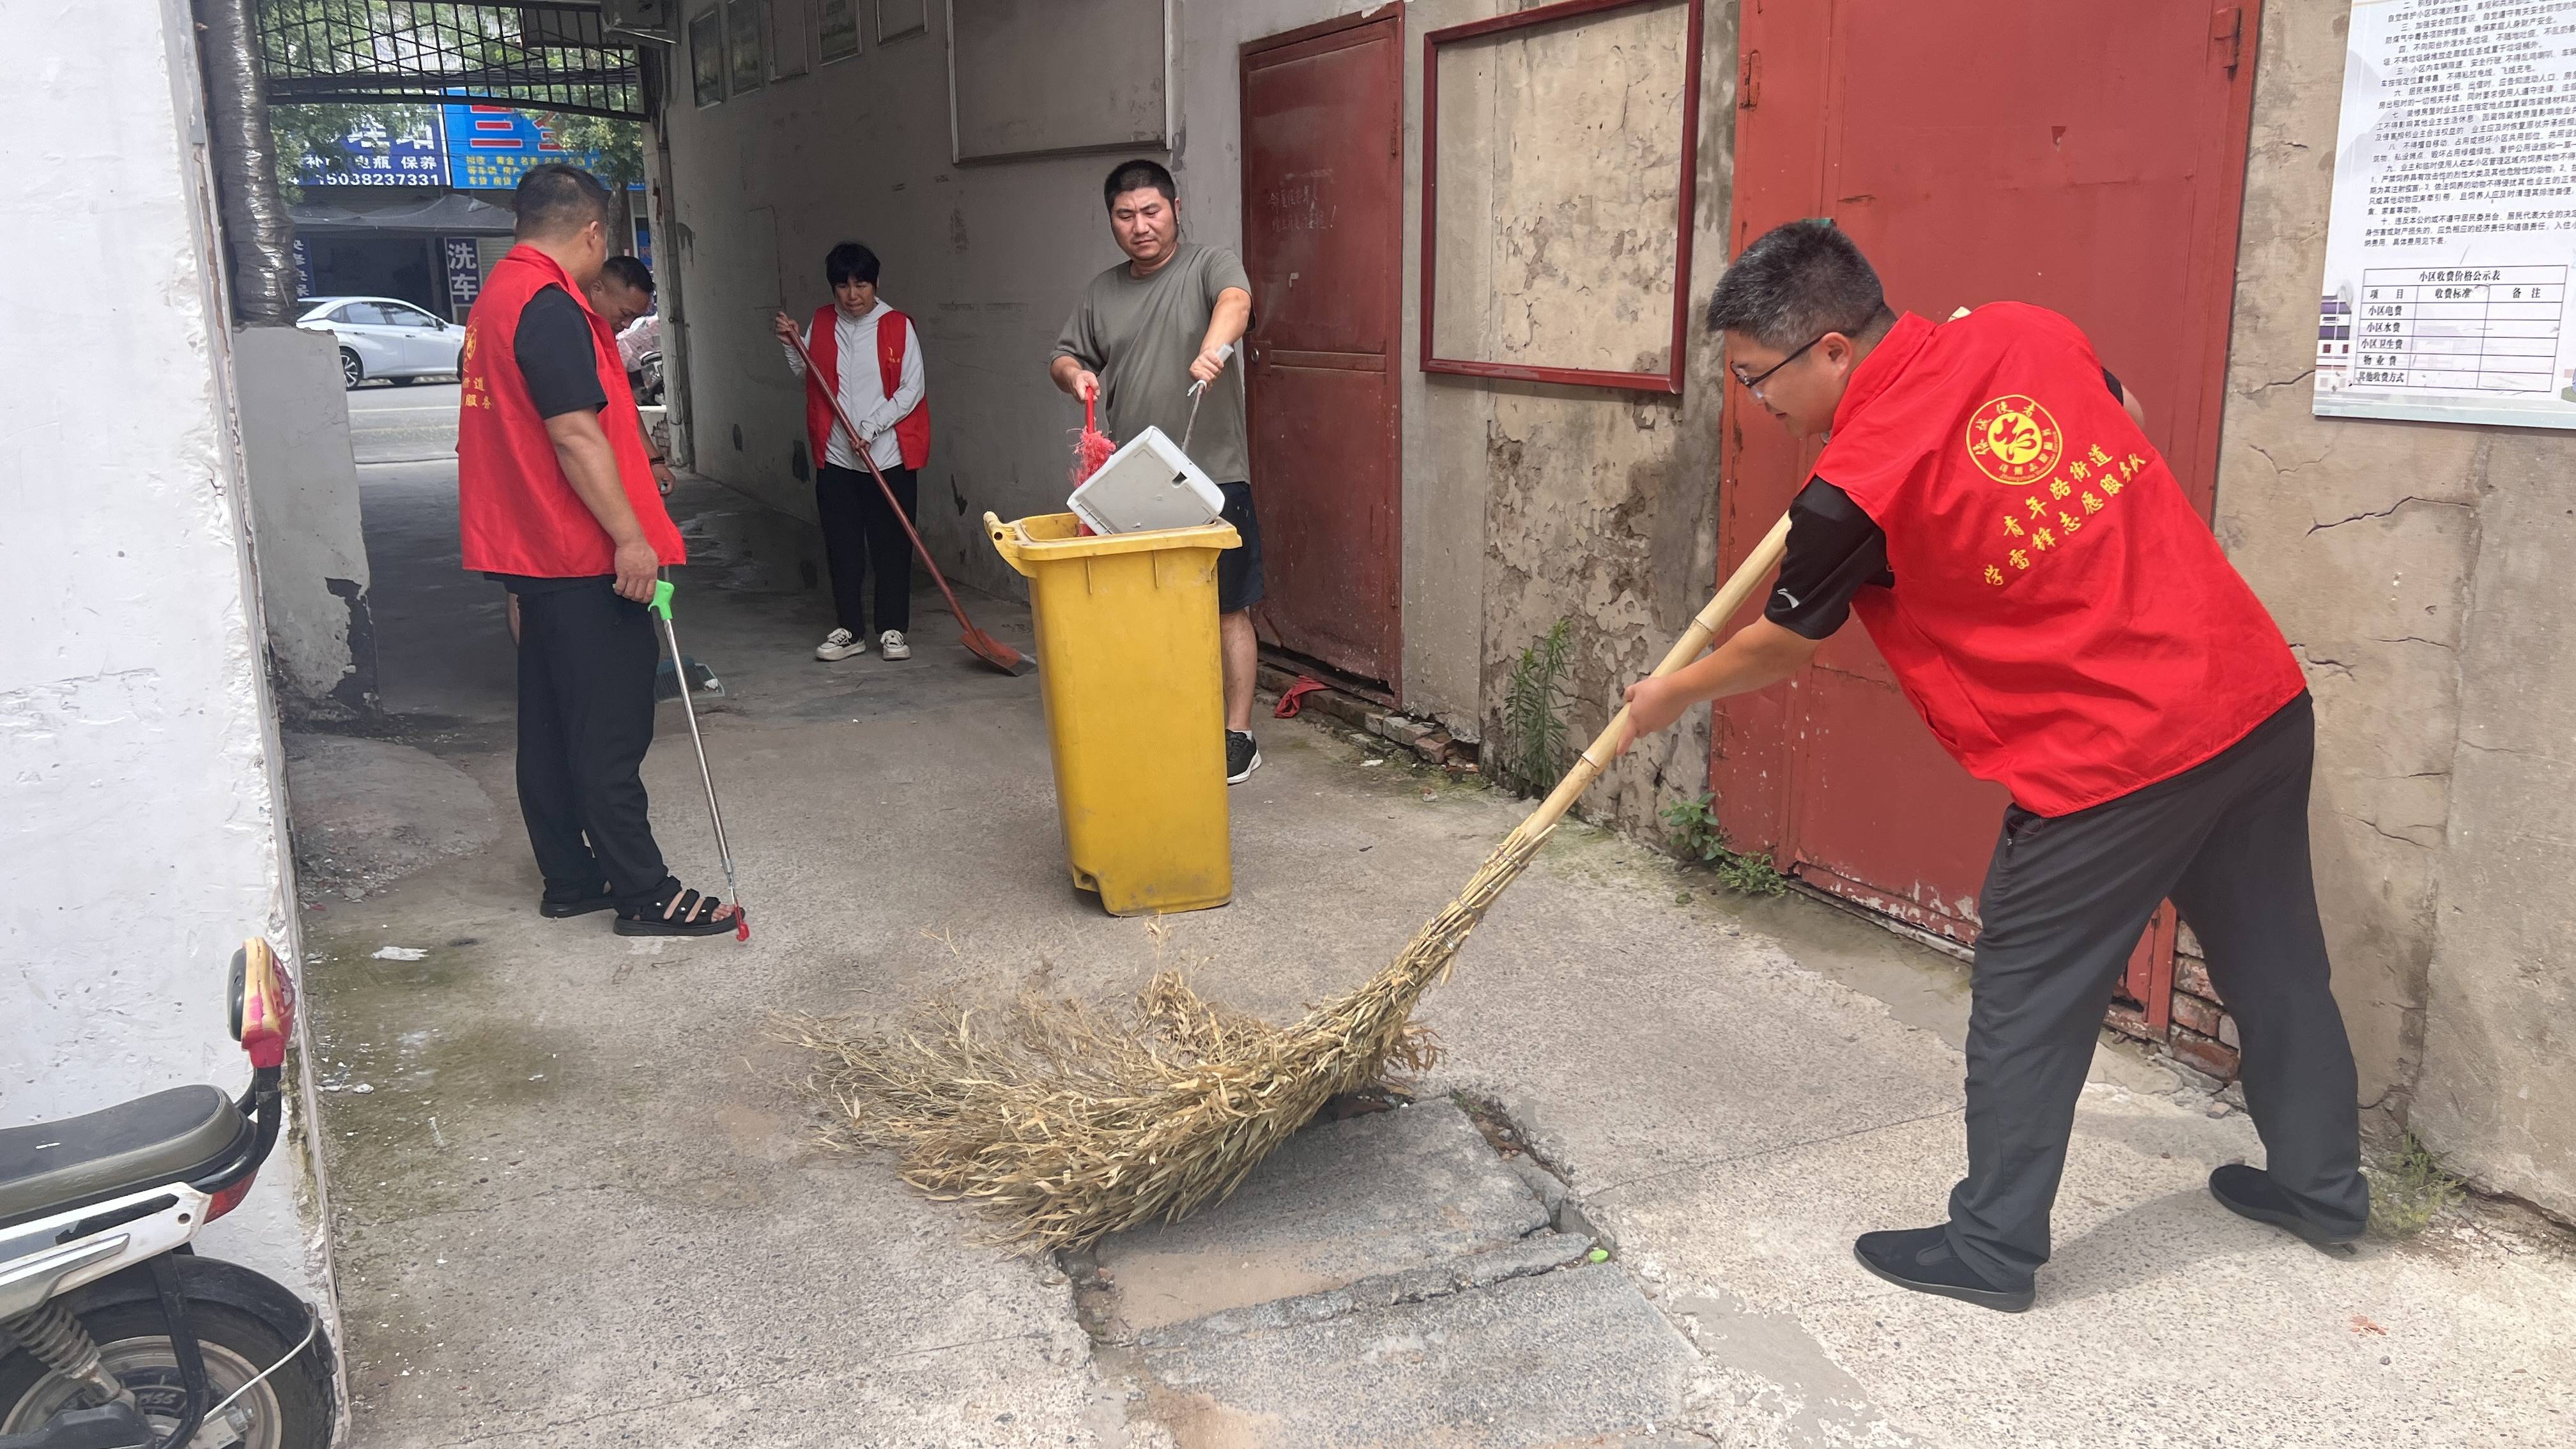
(863, 394)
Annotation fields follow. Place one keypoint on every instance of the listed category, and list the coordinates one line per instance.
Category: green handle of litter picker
(661, 599)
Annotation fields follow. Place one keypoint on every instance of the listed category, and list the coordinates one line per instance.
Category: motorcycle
(114, 1333)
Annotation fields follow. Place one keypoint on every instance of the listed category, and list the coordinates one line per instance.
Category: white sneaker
(891, 645)
(840, 644)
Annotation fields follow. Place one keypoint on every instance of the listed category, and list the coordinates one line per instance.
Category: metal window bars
(551, 57)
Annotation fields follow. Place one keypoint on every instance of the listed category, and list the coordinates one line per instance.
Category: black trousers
(2065, 901)
(862, 537)
(586, 661)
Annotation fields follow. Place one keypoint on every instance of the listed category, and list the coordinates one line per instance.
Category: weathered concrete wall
(140, 824)
(1596, 505)
(988, 258)
(2498, 1091)
(2417, 569)
(304, 517)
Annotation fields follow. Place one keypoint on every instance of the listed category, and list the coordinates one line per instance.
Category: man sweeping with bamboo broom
(2066, 624)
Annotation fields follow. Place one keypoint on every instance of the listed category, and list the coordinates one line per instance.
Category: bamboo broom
(1066, 1123)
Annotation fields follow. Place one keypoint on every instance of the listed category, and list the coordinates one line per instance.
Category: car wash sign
(370, 154)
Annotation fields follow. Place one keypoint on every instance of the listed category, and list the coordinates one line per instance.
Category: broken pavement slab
(1385, 1279)
(1341, 1204)
(1563, 1357)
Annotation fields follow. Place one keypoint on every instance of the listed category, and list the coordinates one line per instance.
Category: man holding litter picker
(1145, 331)
(555, 499)
(2063, 620)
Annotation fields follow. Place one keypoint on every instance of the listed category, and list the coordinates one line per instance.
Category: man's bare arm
(582, 446)
(1226, 324)
(1756, 656)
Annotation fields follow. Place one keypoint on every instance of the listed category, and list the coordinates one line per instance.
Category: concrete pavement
(578, 1199)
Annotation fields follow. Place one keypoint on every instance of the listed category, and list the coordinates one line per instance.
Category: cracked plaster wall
(1586, 503)
(2418, 569)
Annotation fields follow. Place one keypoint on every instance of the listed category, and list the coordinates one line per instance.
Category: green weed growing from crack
(2410, 1190)
(1532, 752)
(1698, 838)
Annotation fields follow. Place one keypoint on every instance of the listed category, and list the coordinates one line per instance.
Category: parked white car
(385, 337)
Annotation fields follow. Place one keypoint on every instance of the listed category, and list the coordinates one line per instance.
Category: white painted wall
(142, 831)
(312, 556)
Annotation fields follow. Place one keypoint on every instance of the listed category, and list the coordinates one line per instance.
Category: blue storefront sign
(372, 155)
(467, 147)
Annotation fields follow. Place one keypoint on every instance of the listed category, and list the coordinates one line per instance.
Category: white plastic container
(1148, 483)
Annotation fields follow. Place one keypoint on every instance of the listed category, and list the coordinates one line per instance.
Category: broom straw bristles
(1065, 1122)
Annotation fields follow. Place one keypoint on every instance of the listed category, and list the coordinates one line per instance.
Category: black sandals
(676, 911)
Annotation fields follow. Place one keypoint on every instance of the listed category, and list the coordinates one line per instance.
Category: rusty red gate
(2089, 158)
(1323, 232)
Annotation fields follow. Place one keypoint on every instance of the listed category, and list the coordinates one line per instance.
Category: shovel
(661, 607)
(984, 646)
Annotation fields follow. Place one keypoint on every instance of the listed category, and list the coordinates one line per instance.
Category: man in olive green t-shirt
(1144, 331)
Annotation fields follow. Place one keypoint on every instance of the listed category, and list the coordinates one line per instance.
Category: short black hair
(1797, 282)
(629, 272)
(556, 198)
(1136, 175)
(850, 262)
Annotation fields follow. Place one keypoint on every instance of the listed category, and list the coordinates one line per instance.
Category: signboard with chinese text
(464, 273)
(371, 155)
(2453, 225)
(490, 147)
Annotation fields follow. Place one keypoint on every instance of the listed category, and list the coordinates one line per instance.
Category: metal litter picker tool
(1198, 394)
(661, 607)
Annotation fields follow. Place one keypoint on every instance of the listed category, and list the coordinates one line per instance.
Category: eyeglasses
(1753, 385)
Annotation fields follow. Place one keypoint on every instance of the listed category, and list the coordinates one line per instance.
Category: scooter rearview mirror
(263, 1003)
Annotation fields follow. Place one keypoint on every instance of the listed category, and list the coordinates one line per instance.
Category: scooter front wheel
(290, 1409)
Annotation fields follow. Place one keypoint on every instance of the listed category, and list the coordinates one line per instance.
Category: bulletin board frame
(1670, 379)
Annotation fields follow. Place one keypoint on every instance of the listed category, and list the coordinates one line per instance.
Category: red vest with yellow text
(516, 510)
(823, 344)
(2062, 617)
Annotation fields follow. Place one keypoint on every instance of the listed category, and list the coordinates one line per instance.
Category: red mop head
(1091, 447)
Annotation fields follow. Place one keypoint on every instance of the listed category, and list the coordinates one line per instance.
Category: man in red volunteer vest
(556, 499)
(869, 356)
(2062, 618)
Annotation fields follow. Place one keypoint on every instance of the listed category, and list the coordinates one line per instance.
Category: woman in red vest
(887, 401)
(2065, 623)
(555, 498)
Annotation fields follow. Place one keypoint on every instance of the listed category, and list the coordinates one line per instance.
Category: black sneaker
(2250, 1192)
(1242, 756)
(1921, 1259)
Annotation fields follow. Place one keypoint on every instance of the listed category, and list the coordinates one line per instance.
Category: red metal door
(2088, 158)
(1323, 229)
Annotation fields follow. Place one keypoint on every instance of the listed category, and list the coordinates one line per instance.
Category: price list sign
(2461, 329)
(2453, 226)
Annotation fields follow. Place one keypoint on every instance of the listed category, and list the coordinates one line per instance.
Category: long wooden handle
(1739, 586)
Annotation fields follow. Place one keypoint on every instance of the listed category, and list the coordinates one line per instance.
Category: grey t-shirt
(1142, 336)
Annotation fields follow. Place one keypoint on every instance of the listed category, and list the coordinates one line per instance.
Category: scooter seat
(172, 1136)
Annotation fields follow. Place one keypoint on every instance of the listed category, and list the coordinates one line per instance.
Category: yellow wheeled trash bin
(1129, 666)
